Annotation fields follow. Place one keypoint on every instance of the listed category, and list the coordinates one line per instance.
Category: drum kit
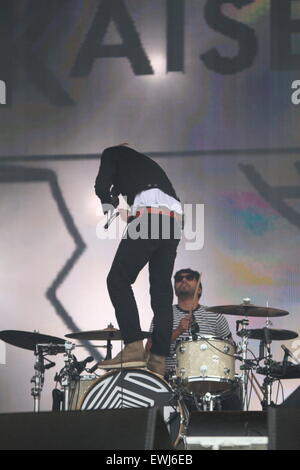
(205, 370)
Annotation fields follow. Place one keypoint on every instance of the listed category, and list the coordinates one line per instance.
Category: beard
(186, 292)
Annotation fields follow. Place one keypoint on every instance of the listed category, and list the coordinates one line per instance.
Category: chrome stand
(38, 379)
(67, 374)
(41, 351)
(244, 367)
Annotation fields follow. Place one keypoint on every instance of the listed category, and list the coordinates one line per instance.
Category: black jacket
(127, 172)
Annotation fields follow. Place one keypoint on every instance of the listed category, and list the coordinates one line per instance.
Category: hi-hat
(269, 334)
(107, 334)
(28, 340)
(247, 310)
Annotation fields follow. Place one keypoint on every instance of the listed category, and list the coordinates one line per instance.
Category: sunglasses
(188, 277)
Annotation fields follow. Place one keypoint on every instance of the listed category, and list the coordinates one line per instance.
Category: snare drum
(206, 364)
(135, 388)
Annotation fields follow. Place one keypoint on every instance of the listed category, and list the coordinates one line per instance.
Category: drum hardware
(266, 335)
(38, 379)
(210, 401)
(70, 373)
(41, 351)
(245, 366)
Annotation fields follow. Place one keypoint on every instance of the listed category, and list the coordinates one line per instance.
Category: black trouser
(132, 255)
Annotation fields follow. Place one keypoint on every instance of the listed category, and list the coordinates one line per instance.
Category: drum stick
(195, 300)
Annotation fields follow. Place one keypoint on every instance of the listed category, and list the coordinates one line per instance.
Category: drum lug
(182, 349)
(226, 371)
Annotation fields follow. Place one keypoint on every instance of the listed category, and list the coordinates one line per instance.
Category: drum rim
(189, 339)
(212, 378)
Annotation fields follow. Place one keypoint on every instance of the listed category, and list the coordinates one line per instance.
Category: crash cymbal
(101, 335)
(247, 311)
(28, 340)
(269, 333)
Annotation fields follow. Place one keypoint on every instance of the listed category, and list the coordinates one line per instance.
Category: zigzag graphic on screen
(276, 196)
(23, 174)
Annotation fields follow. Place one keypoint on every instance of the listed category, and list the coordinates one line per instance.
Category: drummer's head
(185, 283)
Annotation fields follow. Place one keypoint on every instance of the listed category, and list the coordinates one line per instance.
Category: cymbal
(272, 334)
(28, 340)
(247, 310)
(107, 334)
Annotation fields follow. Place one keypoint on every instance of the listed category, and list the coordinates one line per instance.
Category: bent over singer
(153, 202)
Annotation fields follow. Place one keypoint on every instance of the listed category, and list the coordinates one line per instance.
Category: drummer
(213, 324)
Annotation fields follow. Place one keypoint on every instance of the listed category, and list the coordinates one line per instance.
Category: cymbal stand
(245, 366)
(67, 374)
(41, 351)
(38, 378)
(268, 381)
(108, 350)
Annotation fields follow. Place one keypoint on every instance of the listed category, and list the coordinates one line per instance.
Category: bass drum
(136, 388)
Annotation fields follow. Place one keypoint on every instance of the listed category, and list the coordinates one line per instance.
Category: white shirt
(156, 198)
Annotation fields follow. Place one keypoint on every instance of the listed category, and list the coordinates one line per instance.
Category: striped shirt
(214, 324)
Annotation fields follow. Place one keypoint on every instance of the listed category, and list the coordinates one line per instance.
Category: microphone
(285, 360)
(80, 366)
(111, 218)
(92, 370)
(261, 350)
(50, 365)
(289, 353)
(194, 328)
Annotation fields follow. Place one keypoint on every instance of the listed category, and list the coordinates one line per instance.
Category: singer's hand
(123, 214)
(108, 209)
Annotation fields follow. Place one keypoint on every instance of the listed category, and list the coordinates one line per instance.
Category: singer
(153, 204)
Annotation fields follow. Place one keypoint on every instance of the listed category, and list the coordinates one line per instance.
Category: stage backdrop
(209, 90)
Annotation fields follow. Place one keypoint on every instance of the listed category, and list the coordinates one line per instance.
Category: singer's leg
(131, 257)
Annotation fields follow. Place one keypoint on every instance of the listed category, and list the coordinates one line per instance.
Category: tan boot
(133, 355)
(157, 364)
